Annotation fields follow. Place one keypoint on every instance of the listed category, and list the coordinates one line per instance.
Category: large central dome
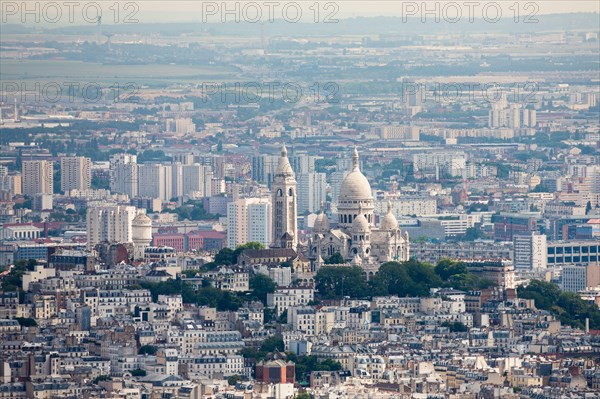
(355, 196)
(355, 186)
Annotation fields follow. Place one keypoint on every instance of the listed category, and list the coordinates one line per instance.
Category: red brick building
(276, 370)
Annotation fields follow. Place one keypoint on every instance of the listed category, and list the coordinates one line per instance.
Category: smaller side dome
(360, 223)
(389, 221)
(321, 222)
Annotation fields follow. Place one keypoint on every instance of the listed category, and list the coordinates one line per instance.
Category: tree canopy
(227, 256)
(335, 259)
(339, 281)
(410, 278)
(261, 285)
(568, 307)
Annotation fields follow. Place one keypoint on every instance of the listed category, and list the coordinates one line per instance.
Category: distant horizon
(277, 20)
(348, 9)
(318, 12)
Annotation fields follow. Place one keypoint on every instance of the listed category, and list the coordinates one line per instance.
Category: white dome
(389, 221)
(141, 220)
(355, 185)
(321, 223)
(360, 223)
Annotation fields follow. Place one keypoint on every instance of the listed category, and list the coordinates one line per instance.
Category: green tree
(335, 259)
(340, 281)
(540, 188)
(148, 350)
(234, 379)
(423, 277)
(447, 268)
(545, 294)
(261, 285)
(138, 373)
(411, 278)
(391, 279)
(568, 307)
(456, 326)
(101, 378)
(224, 257)
(472, 234)
(272, 344)
(26, 322)
(307, 364)
(12, 281)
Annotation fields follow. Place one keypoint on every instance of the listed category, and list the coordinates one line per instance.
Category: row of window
(593, 249)
(573, 259)
(349, 218)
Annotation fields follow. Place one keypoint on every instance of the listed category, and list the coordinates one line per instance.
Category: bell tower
(283, 191)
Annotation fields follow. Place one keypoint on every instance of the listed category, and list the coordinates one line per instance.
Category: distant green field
(59, 71)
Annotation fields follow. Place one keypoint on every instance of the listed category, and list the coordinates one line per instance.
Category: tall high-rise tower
(76, 173)
(285, 229)
(38, 177)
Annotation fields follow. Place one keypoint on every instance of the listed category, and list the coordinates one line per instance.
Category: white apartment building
(213, 366)
(112, 223)
(391, 132)
(512, 117)
(530, 251)
(458, 224)
(105, 303)
(184, 125)
(248, 219)
(124, 174)
(440, 163)
(229, 279)
(75, 173)
(10, 183)
(335, 181)
(402, 206)
(155, 181)
(37, 177)
(311, 321)
(312, 191)
(284, 298)
(196, 179)
(176, 179)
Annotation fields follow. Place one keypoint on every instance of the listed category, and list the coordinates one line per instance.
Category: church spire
(284, 167)
(283, 204)
(355, 162)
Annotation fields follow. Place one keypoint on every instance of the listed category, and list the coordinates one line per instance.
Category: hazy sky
(148, 11)
(189, 10)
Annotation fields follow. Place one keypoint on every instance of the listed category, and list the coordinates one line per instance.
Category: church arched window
(279, 192)
(291, 192)
(354, 251)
